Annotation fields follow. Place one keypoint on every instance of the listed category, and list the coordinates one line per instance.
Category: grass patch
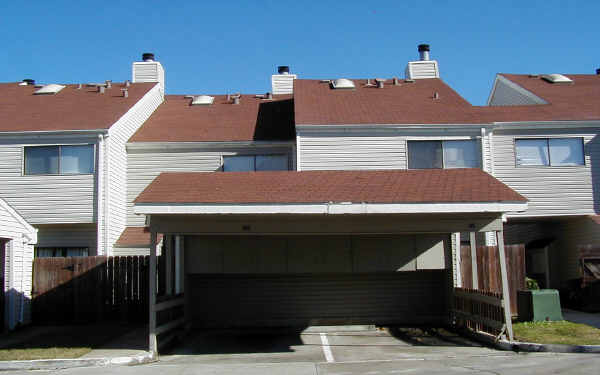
(41, 342)
(562, 332)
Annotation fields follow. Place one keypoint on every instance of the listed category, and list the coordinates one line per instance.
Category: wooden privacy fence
(479, 310)
(90, 289)
(488, 270)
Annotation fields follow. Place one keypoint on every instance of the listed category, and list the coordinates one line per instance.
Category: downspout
(100, 178)
(483, 151)
(106, 197)
(25, 242)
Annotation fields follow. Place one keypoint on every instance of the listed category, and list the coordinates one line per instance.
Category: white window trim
(532, 137)
(94, 164)
(442, 139)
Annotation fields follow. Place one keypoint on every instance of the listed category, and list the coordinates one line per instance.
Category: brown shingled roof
(70, 109)
(384, 186)
(253, 119)
(413, 103)
(135, 236)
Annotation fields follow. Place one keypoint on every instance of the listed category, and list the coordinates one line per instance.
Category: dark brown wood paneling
(244, 300)
(88, 289)
(488, 270)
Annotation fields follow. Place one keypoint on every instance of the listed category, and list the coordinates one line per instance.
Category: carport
(294, 249)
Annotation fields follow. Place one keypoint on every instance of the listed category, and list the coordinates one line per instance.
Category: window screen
(66, 159)
(566, 151)
(532, 152)
(243, 163)
(424, 154)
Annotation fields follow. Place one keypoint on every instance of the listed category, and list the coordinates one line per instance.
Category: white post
(152, 345)
(505, 290)
(474, 260)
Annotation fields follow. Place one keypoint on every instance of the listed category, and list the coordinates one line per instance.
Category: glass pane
(424, 154)
(461, 154)
(44, 252)
(271, 163)
(238, 163)
(532, 151)
(41, 160)
(77, 252)
(566, 151)
(77, 159)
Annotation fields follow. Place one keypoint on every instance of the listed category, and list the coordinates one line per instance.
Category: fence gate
(89, 289)
(488, 270)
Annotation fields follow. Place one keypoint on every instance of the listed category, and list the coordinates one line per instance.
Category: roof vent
(342, 83)
(147, 57)
(598, 71)
(380, 82)
(202, 100)
(424, 52)
(283, 69)
(27, 82)
(50, 89)
(556, 78)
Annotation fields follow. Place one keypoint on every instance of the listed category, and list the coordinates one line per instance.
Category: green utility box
(539, 305)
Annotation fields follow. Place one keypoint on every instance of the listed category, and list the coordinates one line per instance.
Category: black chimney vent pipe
(283, 69)
(29, 81)
(148, 56)
(598, 71)
(423, 47)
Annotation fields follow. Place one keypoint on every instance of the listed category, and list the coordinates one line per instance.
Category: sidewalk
(582, 317)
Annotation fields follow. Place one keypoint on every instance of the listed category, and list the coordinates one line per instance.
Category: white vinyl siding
(17, 268)
(116, 165)
(506, 93)
(143, 166)
(564, 190)
(336, 152)
(78, 235)
(44, 199)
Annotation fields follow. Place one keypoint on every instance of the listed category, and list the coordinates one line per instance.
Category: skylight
(50, 89)
(556, 78)
(203, 100)
(342, 83)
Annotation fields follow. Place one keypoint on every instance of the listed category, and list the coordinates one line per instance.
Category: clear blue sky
(229, 46)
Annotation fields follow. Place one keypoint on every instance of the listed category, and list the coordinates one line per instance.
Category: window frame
(60, 146)
(63, 250)
(287, 156)
(550, 165)
(442, 140)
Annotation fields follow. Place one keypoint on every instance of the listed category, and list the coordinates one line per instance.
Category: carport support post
(152, 345)
(505, 290)
(474, 260)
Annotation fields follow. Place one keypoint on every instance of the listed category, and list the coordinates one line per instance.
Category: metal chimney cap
(423, 47)
(283, 69)
(147, 56)
(29, 81)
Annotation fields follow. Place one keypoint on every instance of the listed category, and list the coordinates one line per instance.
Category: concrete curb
(531, 347)
(58, 364)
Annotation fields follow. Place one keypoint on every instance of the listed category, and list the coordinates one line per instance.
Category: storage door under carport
(253, 281)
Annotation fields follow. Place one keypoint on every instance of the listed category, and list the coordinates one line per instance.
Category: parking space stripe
(326, 348)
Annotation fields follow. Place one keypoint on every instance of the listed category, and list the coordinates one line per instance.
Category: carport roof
(350, 191)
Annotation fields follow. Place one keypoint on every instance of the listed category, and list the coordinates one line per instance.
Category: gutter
(52, 133)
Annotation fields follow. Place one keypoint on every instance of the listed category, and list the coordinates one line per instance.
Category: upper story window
(443, 154)
(62, 159)
(243, 163)
(549, 152)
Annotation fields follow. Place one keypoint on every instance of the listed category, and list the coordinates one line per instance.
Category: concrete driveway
(322, 344)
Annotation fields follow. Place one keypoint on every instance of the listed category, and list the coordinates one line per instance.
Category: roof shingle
(384, 186)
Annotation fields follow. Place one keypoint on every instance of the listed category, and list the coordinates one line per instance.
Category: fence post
(505, 288)
(474, 260)
(152, 345)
